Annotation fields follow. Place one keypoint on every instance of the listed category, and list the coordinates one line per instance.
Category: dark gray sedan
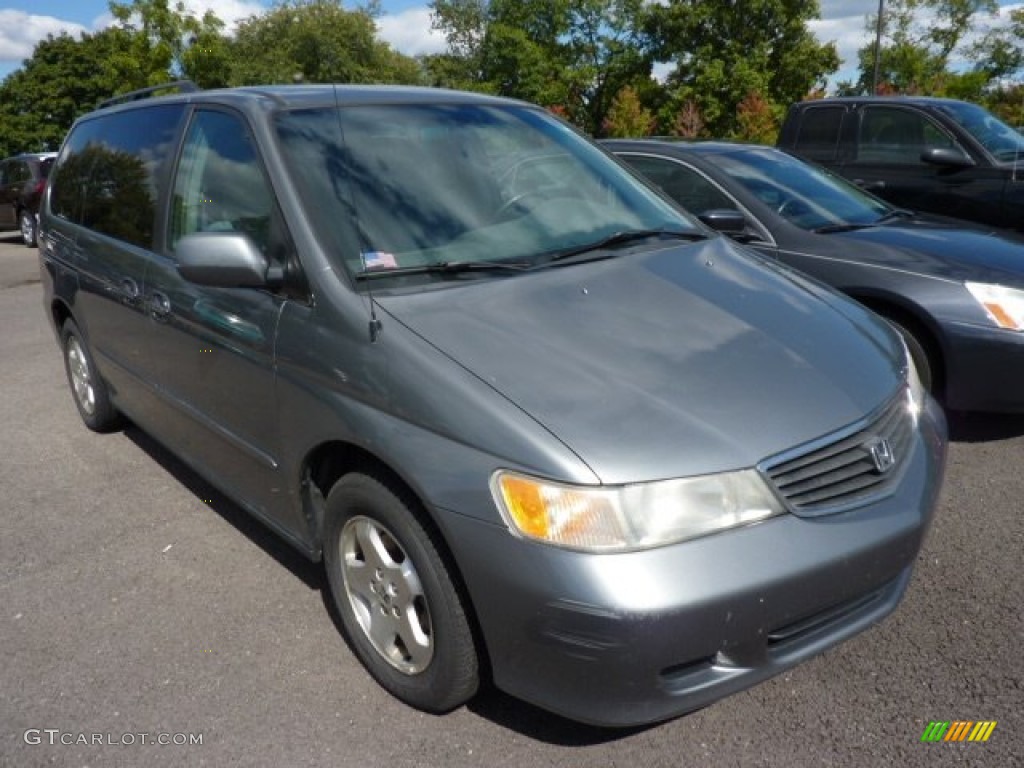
(955, 291)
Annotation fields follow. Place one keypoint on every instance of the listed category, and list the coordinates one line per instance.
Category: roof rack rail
(183, 86)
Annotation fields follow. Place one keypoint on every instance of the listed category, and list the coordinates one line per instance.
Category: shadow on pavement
(491, 704)
(983, 427)
(302, 568)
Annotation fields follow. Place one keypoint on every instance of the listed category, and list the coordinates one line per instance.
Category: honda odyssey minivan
(542, 429)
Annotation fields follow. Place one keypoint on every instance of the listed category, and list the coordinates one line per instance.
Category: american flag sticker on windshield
(379, 260)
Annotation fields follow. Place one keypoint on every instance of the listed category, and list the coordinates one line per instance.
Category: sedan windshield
(1002, 141)
(803, 194)
(427, 190)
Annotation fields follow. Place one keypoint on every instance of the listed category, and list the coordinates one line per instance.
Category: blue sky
(405, 24)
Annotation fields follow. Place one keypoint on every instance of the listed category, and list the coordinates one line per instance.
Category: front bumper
(634, 638)
(985, 368)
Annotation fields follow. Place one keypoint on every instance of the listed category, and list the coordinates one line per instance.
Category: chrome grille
(849, 468)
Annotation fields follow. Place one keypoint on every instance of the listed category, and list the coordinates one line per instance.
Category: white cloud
(229, 11)
(20, 31)
(409, 32)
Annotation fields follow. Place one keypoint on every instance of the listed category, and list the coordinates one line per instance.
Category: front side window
(895, 135)
(399, 186)
(107, 176)
(801, 193)
(220, 185)
(1003, 142)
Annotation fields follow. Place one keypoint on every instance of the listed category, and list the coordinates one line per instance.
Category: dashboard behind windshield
(399, 186)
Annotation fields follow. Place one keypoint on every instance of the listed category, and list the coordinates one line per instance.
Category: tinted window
(894, 135)
(109, 171)
(800, 192)
(819, 132)
(683, 184)
(220, 186)
(997, 137)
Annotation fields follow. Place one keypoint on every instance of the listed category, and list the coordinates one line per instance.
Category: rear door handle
(159, 305)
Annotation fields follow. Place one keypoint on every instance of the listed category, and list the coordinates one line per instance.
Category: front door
(213, 348)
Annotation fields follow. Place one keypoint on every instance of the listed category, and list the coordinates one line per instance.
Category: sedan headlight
(1005, 306)
(640, 516)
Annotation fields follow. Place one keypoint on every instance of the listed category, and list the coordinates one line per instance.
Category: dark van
(502, 390)
(926, 154)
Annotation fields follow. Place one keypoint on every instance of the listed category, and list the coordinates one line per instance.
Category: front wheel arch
(922, 342)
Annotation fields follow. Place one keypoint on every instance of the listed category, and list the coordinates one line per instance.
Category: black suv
(937, 155)
(22, 180)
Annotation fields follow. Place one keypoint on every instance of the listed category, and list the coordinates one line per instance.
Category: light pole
(878, 48)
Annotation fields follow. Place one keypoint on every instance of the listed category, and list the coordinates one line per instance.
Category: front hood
(935, 248)
(679, 361)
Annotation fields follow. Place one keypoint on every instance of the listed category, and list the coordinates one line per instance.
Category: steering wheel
(514, 201)
(791, 207)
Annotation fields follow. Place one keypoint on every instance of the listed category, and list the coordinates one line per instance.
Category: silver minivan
(543, 430)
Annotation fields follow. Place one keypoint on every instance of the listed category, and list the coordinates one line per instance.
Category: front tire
(399, 606)
(29, 228)
(88, 390)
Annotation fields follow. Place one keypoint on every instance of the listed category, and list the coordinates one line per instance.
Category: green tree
(721, 52)
(575, 54)
(169, 42)
(316, 41)
(64, 78)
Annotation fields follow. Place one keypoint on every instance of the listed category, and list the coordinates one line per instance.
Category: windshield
(396, 187)
(801, 193)
(1002, 141)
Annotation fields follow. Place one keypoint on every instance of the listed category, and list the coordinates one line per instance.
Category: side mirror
(728, 221)
(224, 260)
(949, 157)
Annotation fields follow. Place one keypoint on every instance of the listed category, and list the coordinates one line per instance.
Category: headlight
(641, 516)
(1005, 306)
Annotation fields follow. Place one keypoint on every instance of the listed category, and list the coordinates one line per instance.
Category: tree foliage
(576, 54)
(316, 41)
(721, 52)
(65, 78)
(627, 117)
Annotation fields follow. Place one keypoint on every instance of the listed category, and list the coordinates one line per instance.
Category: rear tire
(400, 609)
(29, 228)
(88, 390)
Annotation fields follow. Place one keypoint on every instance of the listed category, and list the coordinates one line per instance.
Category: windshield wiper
(623, 237)
(444, 268)
(846, 226)
(895, 213)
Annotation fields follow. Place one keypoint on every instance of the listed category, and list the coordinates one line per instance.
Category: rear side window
(683, 184)
(818, 137)
(109, 171)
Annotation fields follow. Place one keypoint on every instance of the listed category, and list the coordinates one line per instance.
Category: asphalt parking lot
(137, 605)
